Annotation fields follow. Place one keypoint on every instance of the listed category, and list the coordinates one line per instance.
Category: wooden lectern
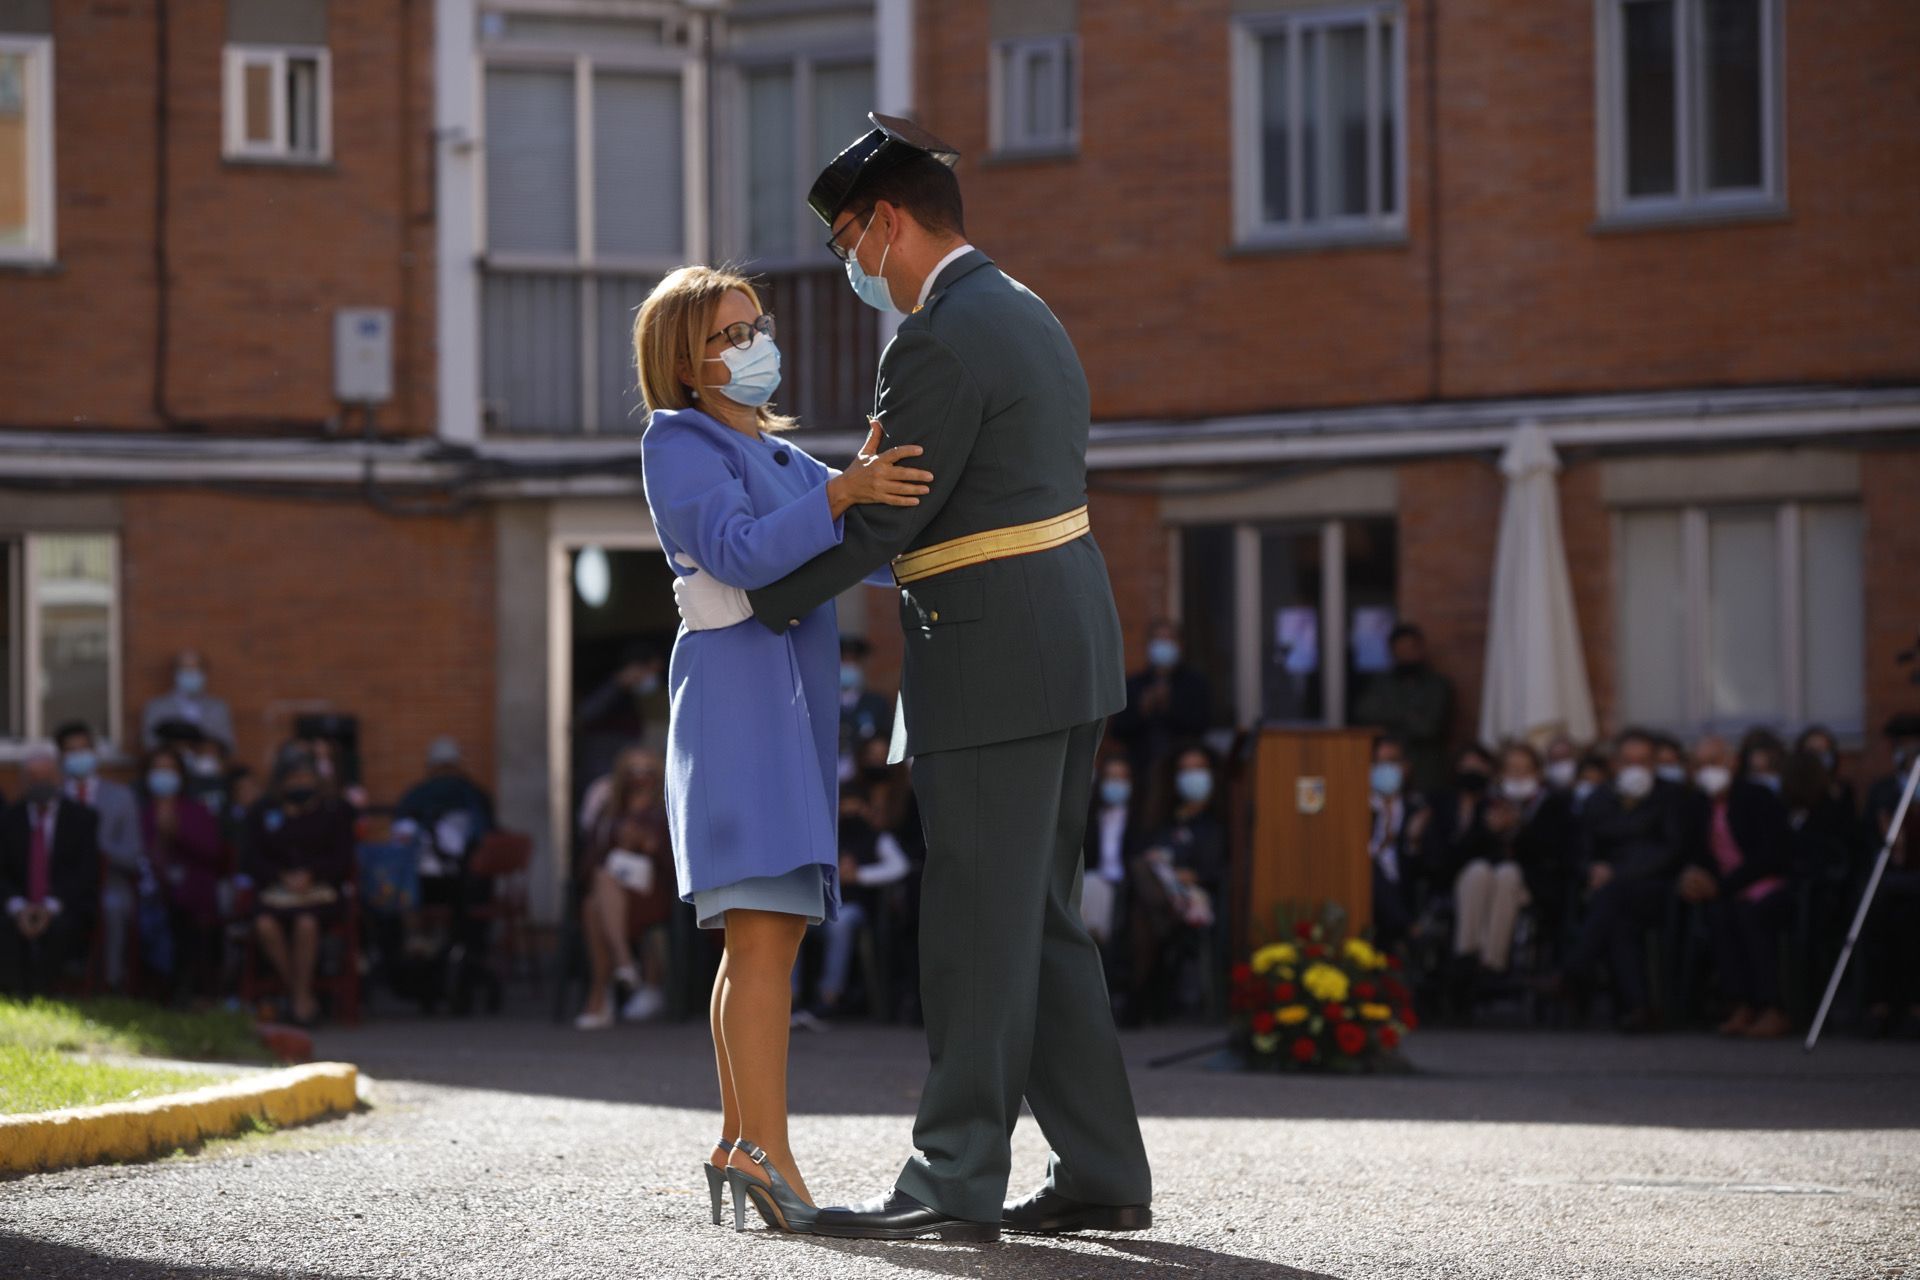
(1310, 826)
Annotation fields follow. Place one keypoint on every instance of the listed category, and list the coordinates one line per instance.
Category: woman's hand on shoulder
(878, 477)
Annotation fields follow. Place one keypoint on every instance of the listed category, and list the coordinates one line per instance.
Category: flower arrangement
(1319, 1000)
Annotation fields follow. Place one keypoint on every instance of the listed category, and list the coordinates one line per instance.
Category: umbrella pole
(1866, 903)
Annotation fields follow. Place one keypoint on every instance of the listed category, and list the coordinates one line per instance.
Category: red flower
(1241, 1002)
(1263, 1022)
(1302, 929)
(1410, 1021)
(1243, 973)
(1303, 1050)
(1333, 1011)
(1393, 962)
(1284, 992)
(1389, 1037)
(1315, 951)
(1351, 1038)
(1363, 991)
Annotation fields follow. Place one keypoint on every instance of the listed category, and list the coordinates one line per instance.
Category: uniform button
(935, 615)
(793, 622)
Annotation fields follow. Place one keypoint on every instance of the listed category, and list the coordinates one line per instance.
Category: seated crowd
(1647, 862)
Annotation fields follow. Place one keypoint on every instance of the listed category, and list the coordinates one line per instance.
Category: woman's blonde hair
(673, 326)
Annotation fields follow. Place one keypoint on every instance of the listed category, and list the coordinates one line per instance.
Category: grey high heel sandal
(775, 1200)
(716, 1179)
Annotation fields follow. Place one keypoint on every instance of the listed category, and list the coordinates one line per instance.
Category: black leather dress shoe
(900, 1217)
(1047, 1213)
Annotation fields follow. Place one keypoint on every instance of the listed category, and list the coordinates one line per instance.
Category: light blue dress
(751, 787)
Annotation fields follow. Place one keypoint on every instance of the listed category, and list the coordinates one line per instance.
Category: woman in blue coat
(752, 744)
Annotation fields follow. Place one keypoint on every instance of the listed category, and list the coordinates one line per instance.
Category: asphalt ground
(516, 1148)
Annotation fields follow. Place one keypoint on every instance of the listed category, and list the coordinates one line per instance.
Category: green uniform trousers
(1015, 999)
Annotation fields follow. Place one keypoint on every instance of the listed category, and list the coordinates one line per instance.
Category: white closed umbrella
(1536, 675)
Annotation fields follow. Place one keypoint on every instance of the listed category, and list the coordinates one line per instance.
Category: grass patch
(40, 1079)
(113, 1024)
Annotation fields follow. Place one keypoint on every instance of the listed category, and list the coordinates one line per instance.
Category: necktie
(39, 857)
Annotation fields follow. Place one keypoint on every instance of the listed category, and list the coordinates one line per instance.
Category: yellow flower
(1362, 953)
(1324, 982)
(1292, 1014)
(1274, 954)
(1375, 1012)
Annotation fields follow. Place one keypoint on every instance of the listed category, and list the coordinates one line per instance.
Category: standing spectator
(187, 709)
(182, 844)
(629, 863)
(299, 851)
(1175, 886)
(119, 840)
(629, 709)
(1632, 843)
(1413, 703)
(1890, 941)
(1737, 863)
(870, 860)
(864, 714)
(1399, 820)
(1168, 703)
(49, 878)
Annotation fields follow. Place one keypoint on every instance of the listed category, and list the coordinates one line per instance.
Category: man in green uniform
(1013, 662)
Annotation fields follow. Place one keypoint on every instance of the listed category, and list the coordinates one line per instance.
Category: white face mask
(1634, 781)
(1561, 773)
(1713, 778)
(1520, 789)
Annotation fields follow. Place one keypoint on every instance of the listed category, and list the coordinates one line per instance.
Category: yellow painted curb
(134, 1130)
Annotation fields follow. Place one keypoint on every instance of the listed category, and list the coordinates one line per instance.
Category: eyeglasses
(839, 250)
(740, 332)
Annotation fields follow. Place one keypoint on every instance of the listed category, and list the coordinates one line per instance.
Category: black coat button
(781, 457)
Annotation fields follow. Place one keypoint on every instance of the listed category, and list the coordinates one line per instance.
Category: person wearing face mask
(864, 714)
(299, 852)
(1737, 860)
(1174, 886)
(752, 759)
(1455, 830)
(1413, 703)
(49, 878)
(1114, 840)
(119, 839)
(187, 706)
(1670, 760)
(1563, 764)
(1890, 938)
(1399, 820)
(1168, 702)
(181, 842)
(1632, 842)
(1013, 661)
(453, 813)
(1521, 856)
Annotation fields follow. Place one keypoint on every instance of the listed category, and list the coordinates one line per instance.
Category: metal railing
(556, 348)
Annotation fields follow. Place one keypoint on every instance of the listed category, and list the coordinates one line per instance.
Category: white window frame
(1696, 712)
(586, 258)
(1251, 228)
(25, 676)
(38, 94)
(1691, 199)
(238, 58)
(1007, 71)
(809, 236)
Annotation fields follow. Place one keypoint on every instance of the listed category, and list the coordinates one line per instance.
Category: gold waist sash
(993, 544)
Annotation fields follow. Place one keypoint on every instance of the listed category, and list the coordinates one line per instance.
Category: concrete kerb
(149, 1126)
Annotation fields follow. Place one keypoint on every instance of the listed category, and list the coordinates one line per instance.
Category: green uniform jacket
(985, 379)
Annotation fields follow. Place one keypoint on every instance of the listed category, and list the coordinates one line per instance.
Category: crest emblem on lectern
(1310, 794)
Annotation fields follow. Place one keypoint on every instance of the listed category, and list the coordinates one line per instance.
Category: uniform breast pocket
(941, 602)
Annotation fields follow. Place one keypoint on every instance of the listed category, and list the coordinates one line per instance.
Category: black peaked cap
(891, 142)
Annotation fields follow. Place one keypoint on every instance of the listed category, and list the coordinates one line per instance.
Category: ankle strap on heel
(724, 1144)
(756, 1154)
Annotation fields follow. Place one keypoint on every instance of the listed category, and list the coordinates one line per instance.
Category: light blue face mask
(189, 681)
(1163, 653)
(80, 764)
(163, 782)
(1386, 778)
(1196, 785)
(1116, 791)
(755, 372)
(872, 289)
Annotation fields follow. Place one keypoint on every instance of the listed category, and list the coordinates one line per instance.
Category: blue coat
(753, 741)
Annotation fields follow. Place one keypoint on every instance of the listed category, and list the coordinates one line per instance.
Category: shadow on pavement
(1678, 1081)
(22, 1258)
(1021, 1257)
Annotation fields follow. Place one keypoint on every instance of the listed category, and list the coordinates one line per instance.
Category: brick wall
(1891, 494)
(1449, 523)
(390, 618)
(259, 256)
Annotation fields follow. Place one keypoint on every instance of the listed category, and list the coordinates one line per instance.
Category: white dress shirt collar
(926, 286)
